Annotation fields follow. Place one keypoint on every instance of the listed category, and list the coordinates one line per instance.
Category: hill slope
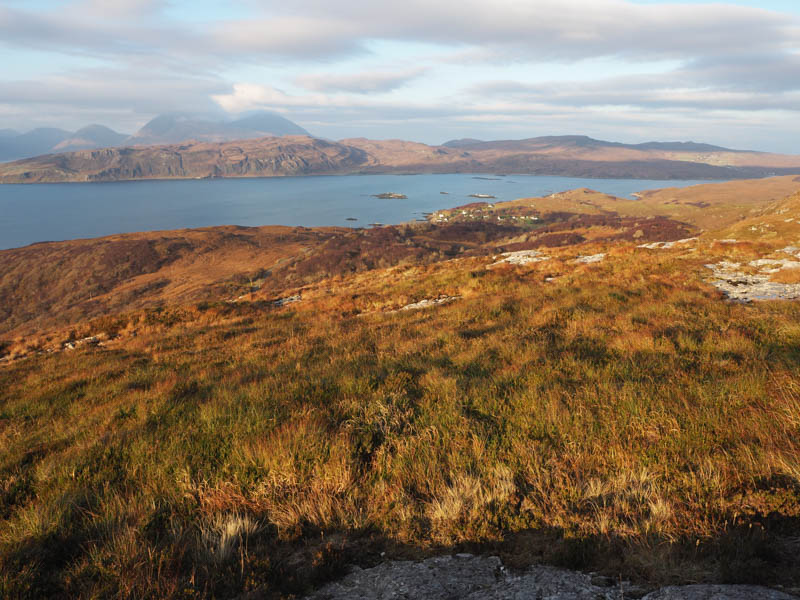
(56, 284)
(295, 155)
(582, 141)
(551, 384)
(247, 158)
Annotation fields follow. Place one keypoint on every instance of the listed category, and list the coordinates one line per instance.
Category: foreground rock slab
(467, 577)
(718, 592)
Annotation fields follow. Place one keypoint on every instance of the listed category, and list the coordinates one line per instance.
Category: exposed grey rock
(287, 300)
(443, 577)
(602, 581)
(547, 583)
(746, 287)
(467, 577)
(462, 577)
(717, 592)
(666, 245)
(521, 257)
(428, 302)
(593, 258)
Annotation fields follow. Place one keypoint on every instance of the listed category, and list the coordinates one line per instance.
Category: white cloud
(365, 82)
(729, 62)
(554, 29)
(544, 30)
(302, 37)
(118, 8)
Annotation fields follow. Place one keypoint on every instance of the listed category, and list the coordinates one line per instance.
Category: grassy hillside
(601, 407)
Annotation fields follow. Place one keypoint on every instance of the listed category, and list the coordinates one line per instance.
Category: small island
(390, 196)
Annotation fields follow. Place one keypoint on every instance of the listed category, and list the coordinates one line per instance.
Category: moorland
(242, 412)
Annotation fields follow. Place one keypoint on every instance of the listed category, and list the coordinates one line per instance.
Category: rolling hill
(574, 156)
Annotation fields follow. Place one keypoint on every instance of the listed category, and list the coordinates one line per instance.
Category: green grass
(637, 425)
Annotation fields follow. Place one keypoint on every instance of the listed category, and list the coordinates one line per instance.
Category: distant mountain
(304, 155)
(164, 129)
(263, 157)
(172, 129)
(91, 136)
(15, 145)
(682, 147)
(268, 122)
(32, 143)
(579, 142)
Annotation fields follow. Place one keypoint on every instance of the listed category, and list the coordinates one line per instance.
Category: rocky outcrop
(734, 280)
(467, 577)
(304, 155)
(267, 157)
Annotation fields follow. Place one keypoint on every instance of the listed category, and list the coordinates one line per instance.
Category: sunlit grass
(621, 403)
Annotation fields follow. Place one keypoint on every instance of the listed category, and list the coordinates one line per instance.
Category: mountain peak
(175, 128)
(91, 136)
(268, 122)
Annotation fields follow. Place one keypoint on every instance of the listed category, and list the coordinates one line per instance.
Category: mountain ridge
(47, 140)
(162, 129)
(584, 141)
(569, 156)
(176, 128)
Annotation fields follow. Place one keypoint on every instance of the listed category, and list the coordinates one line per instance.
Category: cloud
(119, 8)
(121, 98)
(766, 73)
(726, 60)
(545, 30)
(734, 83)
(301, 37)
(366, 82)
(250, 96)
(550, 29)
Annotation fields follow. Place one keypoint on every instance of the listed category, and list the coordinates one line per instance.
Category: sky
(725, 72)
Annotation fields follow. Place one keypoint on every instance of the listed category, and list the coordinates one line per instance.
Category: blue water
(46, 212)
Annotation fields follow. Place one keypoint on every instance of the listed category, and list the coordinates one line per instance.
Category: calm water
(35, 213)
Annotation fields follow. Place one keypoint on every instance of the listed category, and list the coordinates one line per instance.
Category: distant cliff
(251, 158)
(571, 156)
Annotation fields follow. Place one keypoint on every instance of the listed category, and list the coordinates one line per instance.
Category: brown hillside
(265, 157)
(302, 155)
(55, 284)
